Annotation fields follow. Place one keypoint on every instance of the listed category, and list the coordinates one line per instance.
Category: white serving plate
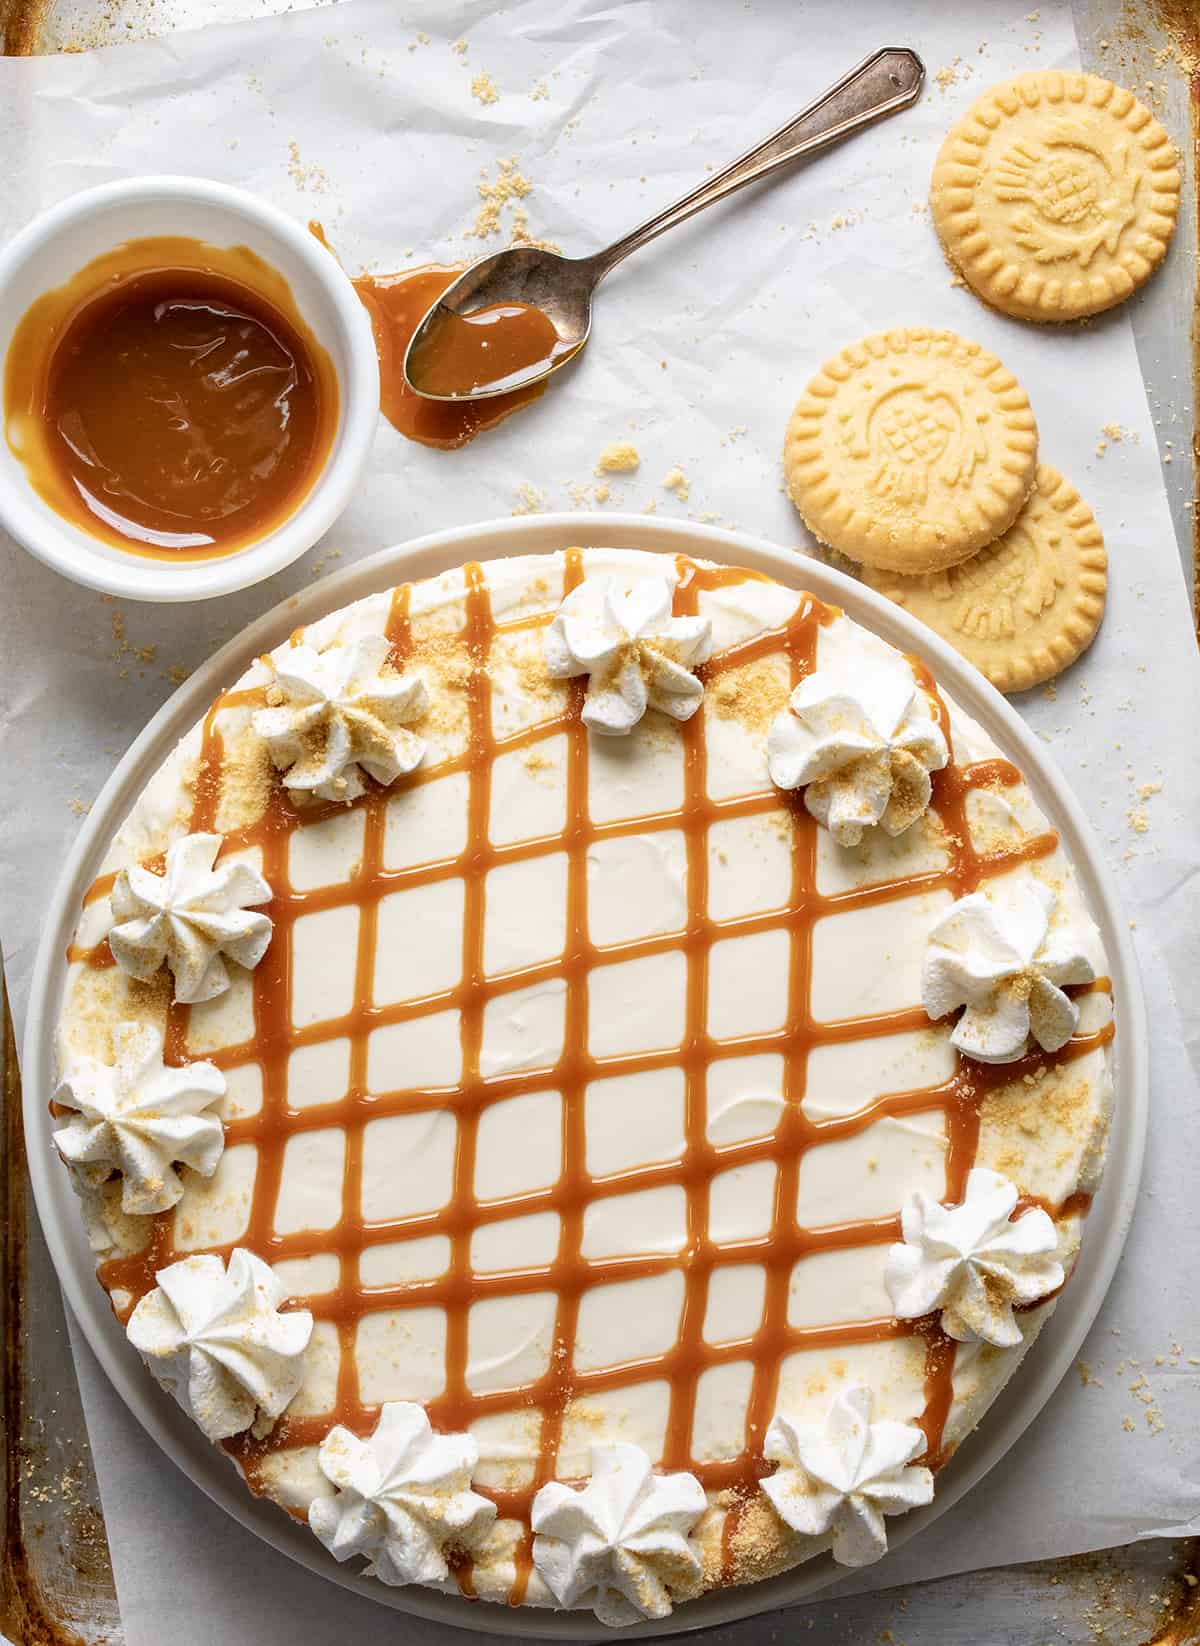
(1049, 1358)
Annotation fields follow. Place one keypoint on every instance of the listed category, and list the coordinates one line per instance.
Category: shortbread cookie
(1025, 607)
(911, 450)
(1056, 195)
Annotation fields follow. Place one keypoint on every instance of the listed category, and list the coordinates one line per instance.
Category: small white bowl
(61, 241)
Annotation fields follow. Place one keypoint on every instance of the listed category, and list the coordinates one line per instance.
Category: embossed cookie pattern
(911, 450)
(1056, 195)
(1024, 608)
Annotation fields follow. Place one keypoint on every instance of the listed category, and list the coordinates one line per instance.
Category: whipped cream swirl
(336, 715)
(216, 1340)
(861, 747)
(973, 1261)
(841, 1477)
(141, 1119)
(636, 654)
(402, 1497)
(193, 916)
(1002, 955)
(618, 1543)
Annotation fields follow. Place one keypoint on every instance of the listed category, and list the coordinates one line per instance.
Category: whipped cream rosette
(635, 653)
(193, 916)
(617, 1543)
(974, 1262)
(139, 1119)
(402, 1497)
(861, 744)
(841, 1477)
(333, 716)
(1004, 956)
(214, 1336)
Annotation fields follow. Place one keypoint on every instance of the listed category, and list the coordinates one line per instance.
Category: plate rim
(1021, 1398)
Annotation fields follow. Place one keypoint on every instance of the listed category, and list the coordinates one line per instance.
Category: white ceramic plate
(1056, 1347)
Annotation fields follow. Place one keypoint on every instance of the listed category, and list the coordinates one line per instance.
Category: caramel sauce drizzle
(570, 1274)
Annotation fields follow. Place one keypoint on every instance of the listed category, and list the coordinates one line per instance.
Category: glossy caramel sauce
(397, 303)
(490, 349)
(170, 399)
(570, 1274)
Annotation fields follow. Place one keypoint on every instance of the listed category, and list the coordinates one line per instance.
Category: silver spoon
(562, 287)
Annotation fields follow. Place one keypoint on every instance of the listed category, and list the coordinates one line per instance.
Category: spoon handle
(888, 80)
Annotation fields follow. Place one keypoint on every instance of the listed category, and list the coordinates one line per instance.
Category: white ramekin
(61, 241)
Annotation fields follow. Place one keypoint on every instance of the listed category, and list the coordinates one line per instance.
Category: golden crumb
(509, 186)
(312, 179)
(530, 499)
(761, 1544)
(101, 997)
(619, 457)
(319, 564)
(1016, 1115)
(952, 73)
(587, 1416)
(529, 666)
(752, 694)
(676, 481)
(484, 89)
(124, 648)
(540, 92)
(520, 235)
(247, 781)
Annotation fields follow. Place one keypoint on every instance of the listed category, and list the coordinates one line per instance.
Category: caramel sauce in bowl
(190, 389)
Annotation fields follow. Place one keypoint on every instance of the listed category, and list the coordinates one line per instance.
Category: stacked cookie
(914, 453)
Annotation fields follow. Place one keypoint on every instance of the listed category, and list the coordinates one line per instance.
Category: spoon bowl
(560, 287)
(512, 283)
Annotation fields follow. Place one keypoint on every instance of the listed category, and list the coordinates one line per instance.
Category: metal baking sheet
(56, 1582)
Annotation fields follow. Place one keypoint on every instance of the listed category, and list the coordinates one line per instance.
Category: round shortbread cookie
(1056, 195)
(1029, 604)
(911, 450)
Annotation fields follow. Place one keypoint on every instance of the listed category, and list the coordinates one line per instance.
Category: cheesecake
(584, 1076)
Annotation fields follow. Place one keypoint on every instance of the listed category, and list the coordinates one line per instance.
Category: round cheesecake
(585, 1076)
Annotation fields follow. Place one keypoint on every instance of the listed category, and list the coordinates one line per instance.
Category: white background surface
(743, 305)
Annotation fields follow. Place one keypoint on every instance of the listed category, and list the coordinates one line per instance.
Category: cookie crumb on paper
(530, 499)
(508, 186)
(619, 457)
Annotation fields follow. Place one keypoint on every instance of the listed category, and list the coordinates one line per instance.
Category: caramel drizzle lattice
(570, 1274)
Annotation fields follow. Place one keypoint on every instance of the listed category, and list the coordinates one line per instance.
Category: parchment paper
(367, 120)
